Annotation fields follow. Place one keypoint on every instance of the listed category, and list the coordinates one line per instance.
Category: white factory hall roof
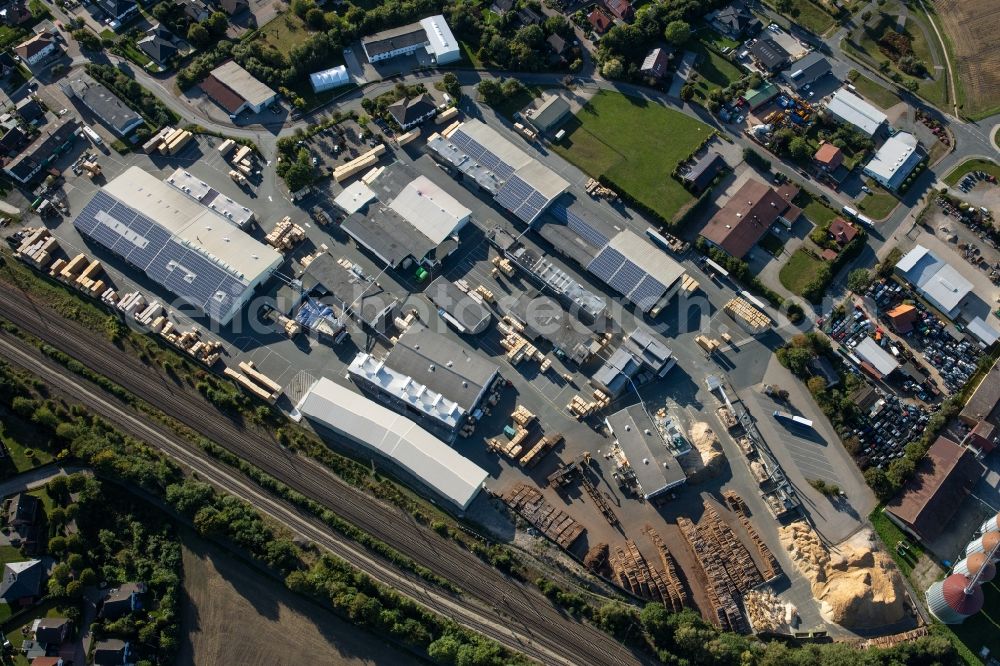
(355, 196)
(208, 196)
(413, 393)
(938, 282)
(869, 350)
(192, 222)
(243, 83)
(895, 159)
(426, 457)
(852, 109)
(441, 43)
(432, 211)
(329, 78)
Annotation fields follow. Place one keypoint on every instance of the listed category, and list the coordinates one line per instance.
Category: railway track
(515, 614)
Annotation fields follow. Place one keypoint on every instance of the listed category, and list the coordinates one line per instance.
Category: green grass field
(878, 205)
(798, 271)
(637, 145)
(815, 210)
(18, 439)
(714, 70)
(875, 93)
(809, 16)
(285, 32)
(972, 165)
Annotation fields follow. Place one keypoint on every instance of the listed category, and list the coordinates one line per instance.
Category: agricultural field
(973, 40)
(235, 615)
(637, 145)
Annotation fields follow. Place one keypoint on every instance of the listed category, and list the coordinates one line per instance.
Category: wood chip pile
(554, 523)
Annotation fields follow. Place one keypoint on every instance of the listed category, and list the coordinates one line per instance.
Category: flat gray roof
(326, 277)
(544, 317)
(402, 37)
(243, 83)
(656, 469)
(106, 106)
(443, 365)
(465, 311)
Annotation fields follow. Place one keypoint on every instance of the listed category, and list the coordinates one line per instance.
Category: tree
(57, 545)
(301, 173)
(687, 92)
(756, 160)
(87, 577)
(217, 24)
(879, 482)
(799, 149)
(677, 33)
(613, 69)
(451, 85)
(316, 19)
(74, 590)
(490, 91)
(859, 280)
(198, 35)
(816, 386)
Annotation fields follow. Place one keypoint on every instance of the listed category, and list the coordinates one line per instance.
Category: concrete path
(34, 478)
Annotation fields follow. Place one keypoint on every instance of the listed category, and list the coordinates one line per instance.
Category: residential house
(620, 9)
(124, 599)
(234, 7)
(22, 582)
(655, 63)
(703, 172)
(411, 112)
(119, 10)
(196, 10)
(736, 21)
(748, 215)
(158, 44)
(30, 109)
(37, 49)
(15, 13)
(12, 141)
(48, 661)
(501, 7)
(21, 510)
(112, 652)
(558, 46)
(47, 146)
(842, 231)
(599, 21)
(829, 157)
(527, 16)
(769, 55)
(547, 115)
(52, 631)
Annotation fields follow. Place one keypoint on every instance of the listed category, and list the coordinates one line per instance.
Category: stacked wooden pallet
(722, 595)
(736, 558)
(552, 522)
(631, 570)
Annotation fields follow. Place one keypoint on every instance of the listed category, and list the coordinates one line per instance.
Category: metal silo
(954, 599)
(987, 543)
(977, 567)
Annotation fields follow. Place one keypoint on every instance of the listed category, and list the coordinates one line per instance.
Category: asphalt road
(513, 614)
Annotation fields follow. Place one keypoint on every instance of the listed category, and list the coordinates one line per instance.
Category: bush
(756, 160)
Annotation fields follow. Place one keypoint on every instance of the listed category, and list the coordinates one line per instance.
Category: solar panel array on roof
(626, 277)
(578, 225)
(182, 269)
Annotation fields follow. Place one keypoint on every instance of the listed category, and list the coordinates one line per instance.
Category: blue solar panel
(143, 243)
(649, 291)
(504, 171)
(606, 263)
(578, 225)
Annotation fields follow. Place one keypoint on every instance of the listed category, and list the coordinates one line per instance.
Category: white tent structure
(430, 460)
(329, 79)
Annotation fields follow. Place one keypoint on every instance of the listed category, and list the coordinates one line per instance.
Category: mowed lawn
(636, 144)
(799, 270)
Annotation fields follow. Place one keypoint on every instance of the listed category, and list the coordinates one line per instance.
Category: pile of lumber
(550, 521)
(581, 408)
(630, 570)
(746, 315)
(676, 595)
(538, 451)
(722, 594)
(739, 564)
(771, 568)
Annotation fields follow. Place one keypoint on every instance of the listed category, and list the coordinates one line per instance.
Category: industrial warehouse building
(420, 224)
(517, 181)
(430, 377)
(748, 215)
(944, 477)
(329, 79)
(939, 282)
(431, 34)
(655, 468)
(423, 456)
(848, 108)
(895, 160)
(178, 243)
(236, 90)
(104, 104)
(462, 312)
(208, 196)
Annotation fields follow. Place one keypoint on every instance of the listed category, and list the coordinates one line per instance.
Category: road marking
(270, 198)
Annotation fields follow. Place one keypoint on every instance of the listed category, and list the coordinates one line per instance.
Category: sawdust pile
(706, 460)
(855, 584)
(596, 558)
